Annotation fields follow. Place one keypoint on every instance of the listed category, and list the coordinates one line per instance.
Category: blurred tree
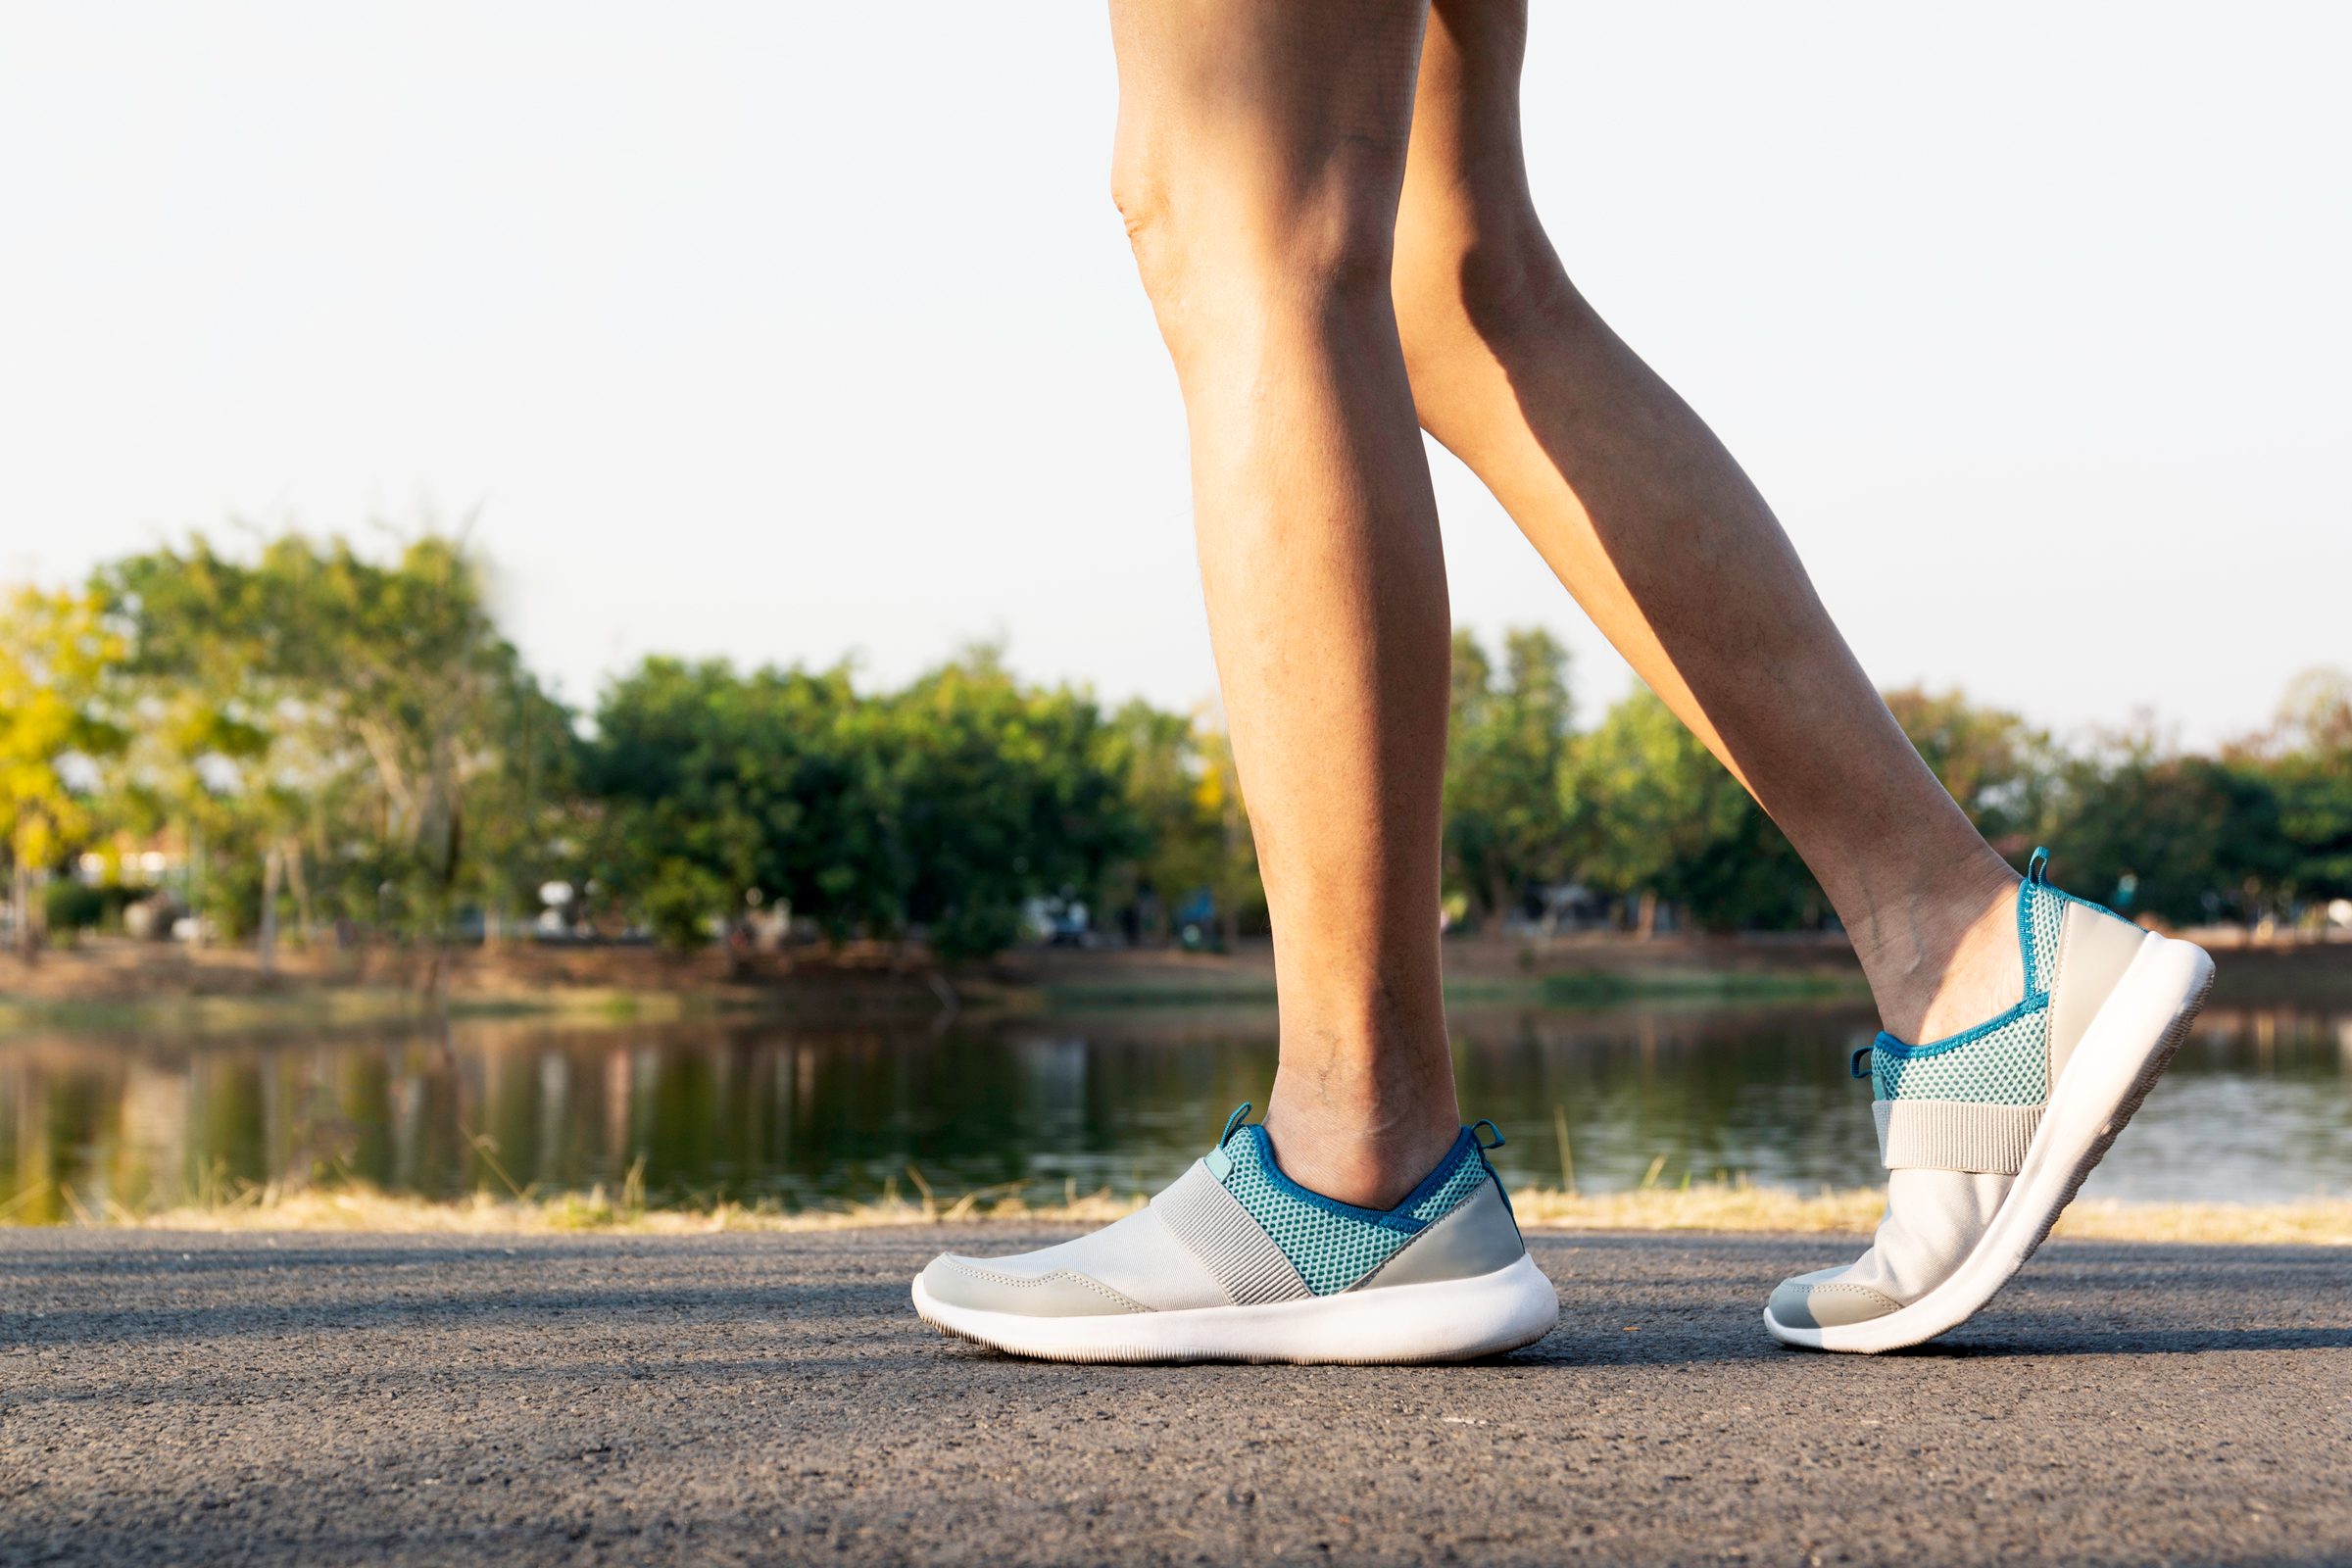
(1160, 762)
(1997, 766)
(318, 700)
(359, 732)
(55, 649)
(1660, 819)
(2315, 713)
(1506, 746)
(410, 663)
(1000, 794)
(2186, 839)
(530, 822)
(2311, 771)
(1234, 884)
(203, 711)
(714, 784)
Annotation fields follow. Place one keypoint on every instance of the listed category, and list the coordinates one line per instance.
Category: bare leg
(1261, 147)
(1661, 538)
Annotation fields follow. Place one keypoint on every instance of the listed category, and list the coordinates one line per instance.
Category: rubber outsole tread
(1529, 1303)
(1139, 1356)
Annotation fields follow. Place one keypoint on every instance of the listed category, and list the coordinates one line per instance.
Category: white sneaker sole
(1449, 1320)
(2119, 1059)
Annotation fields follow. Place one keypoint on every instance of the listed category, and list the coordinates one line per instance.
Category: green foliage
(1506, 747)
(360, 719)
(944, 807)
(357, 733)
(75, 906)
(2311, 770)
(1659, 816)
(2185, 839)
(999, 794)
(1179, 781)
(1999, 768)
(55, 652)
(2314, 798)
(773, 782)
(678, 900)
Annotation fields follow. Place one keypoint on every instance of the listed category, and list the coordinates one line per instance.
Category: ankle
(1363, 1145)
(1942, 963)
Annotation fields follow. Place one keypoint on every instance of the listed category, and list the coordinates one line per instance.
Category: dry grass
(364, 1210)
(1855, 1211)
(1713, 1206)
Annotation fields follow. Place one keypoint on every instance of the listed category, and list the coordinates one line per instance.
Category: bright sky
(785, 333)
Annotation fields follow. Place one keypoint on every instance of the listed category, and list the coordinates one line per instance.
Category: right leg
(1262, 145)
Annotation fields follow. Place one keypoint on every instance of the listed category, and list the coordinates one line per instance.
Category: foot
(1940, 967)
(1988, 1133)
(1237, 1262)
(1356, 1145)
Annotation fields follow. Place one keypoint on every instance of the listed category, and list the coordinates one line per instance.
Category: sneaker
(1989, 1134)
(1237, 1262)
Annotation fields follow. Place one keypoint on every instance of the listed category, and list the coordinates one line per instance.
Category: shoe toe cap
(982, 1285)
(1821, 1300)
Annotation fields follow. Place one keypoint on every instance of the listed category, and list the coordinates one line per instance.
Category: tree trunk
(302, 919)
(27, 934)
(266, 945)
(196, 883)
(1646, 924)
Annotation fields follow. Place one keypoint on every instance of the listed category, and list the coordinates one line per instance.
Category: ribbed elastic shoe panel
(1234, 1248)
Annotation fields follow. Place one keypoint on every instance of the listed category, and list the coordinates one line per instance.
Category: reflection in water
(2258, 1106)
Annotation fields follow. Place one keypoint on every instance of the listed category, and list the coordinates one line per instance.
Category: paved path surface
(330, 1399)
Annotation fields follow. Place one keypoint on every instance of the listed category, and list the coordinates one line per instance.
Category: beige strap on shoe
(1954, 1135)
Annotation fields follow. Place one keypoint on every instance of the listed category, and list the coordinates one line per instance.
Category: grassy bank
(1714, 1206)
(113, 973)
(357, 1007)
(120, 987)
(1115, 988)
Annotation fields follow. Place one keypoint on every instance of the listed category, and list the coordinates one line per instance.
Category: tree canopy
(356, 730)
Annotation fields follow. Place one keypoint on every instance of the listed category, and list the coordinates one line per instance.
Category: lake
(2258, 1106)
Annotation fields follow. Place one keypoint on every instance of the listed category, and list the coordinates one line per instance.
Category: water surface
(2257, 1108)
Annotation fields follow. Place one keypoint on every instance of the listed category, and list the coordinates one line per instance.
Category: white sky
(787, 332)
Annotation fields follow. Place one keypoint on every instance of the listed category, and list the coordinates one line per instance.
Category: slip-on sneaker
(1989, 1134)
(1237, 1262)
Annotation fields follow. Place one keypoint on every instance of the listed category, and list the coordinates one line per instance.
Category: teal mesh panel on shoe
(2045, 913)
(1459, 1184)
(1330, 1243)
(2005, 1062)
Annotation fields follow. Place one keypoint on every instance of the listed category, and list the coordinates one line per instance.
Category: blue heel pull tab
(1490, 1127)
(1860, 1065)
(1233, 1121)
(2038, 867)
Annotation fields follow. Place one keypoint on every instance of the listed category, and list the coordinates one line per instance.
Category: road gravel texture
(178, 1397)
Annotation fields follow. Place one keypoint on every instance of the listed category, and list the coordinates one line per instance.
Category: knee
(1140, 191)
(1219, 250)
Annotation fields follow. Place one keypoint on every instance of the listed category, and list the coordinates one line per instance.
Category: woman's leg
(1261, 146)
(1661, 538)
(2059, 1015)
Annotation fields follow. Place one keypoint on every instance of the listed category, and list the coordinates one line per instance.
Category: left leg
(1986, 1131)
(1653, 527)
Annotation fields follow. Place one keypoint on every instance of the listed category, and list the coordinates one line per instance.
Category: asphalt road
(334, 1399)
